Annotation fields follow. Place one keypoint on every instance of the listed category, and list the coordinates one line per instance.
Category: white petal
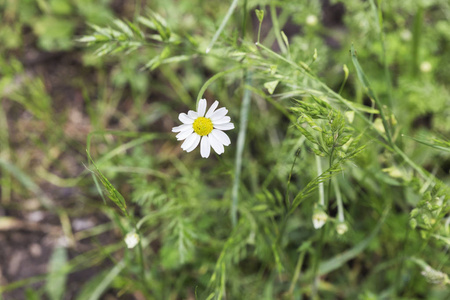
(221, 136)
(184, 134)
(227, 126)
(185, 119)
(205, 147)
(194, 145)
(183, 127)
(219, 114)
(216, 145)
(212, 109)
(222, 121)
(201, 107)
(192, 114)
(189, 141)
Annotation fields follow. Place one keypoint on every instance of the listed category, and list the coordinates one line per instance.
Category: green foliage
(364, 145)
(111, 191)
(57, 277)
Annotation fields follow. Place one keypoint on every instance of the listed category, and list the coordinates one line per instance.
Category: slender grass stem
(141, 259)
(321, 189)
(298, 268)
(212, 79)
(276, 28)
(5, 153)
(340, 205)
(288, 203)
(387, 76)
(245, 109)
(222, 25)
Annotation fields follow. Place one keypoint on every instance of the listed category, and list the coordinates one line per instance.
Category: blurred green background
(112, 76)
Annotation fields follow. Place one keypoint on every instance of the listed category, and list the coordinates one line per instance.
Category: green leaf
(271, 86)
(105, 282)
(112, 193)
(124, 27)
(56, 278)
(306, 133)
(136, 30)
(91, 286)
(259, 14)
(285, 39)
(435, 143)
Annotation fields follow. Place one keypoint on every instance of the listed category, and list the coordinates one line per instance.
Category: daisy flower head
(204, 129)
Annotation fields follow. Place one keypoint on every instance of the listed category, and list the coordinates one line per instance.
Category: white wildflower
(204, 129)
(131, 239)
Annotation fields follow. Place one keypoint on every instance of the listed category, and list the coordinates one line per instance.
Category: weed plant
(336, 183)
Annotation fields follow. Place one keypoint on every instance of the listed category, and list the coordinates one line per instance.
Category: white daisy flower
(204, 129)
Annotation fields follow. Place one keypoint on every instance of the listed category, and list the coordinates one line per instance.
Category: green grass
(340, 121)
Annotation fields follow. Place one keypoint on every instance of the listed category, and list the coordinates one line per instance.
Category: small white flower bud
(341, 228)
(406, 35)
(311, 20)
(131, 239)
(319, 218)
(425, 67)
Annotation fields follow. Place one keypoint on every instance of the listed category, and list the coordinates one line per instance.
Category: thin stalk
(5, 153)
(276, 28)
(222, 25)
(330, 163)
(245, 109)
(387, 76)
(316, 264)
(321, 189)
(340, 205)
(141, 259)
(298, 268)
(287, 200)
(345, 68)
(142, 266)
(212, 79)
(244, 21)
(417, 33)
(362, 77)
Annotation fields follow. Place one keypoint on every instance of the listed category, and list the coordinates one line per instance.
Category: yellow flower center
(203, 126)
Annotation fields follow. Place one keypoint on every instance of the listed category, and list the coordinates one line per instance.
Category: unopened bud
(425, 67)
(319, 218)
(311, 20)
(341, 228)
(131, 239)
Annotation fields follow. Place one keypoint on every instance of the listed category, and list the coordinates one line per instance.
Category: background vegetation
(335, 185)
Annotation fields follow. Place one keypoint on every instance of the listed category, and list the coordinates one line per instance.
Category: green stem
(321, 189)
(340, 205)
(387, 76)
(222, 25)
(212, 79)
(417, 32)
(287, 200)
(276, 28)
(245, 109)
(298, 268)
